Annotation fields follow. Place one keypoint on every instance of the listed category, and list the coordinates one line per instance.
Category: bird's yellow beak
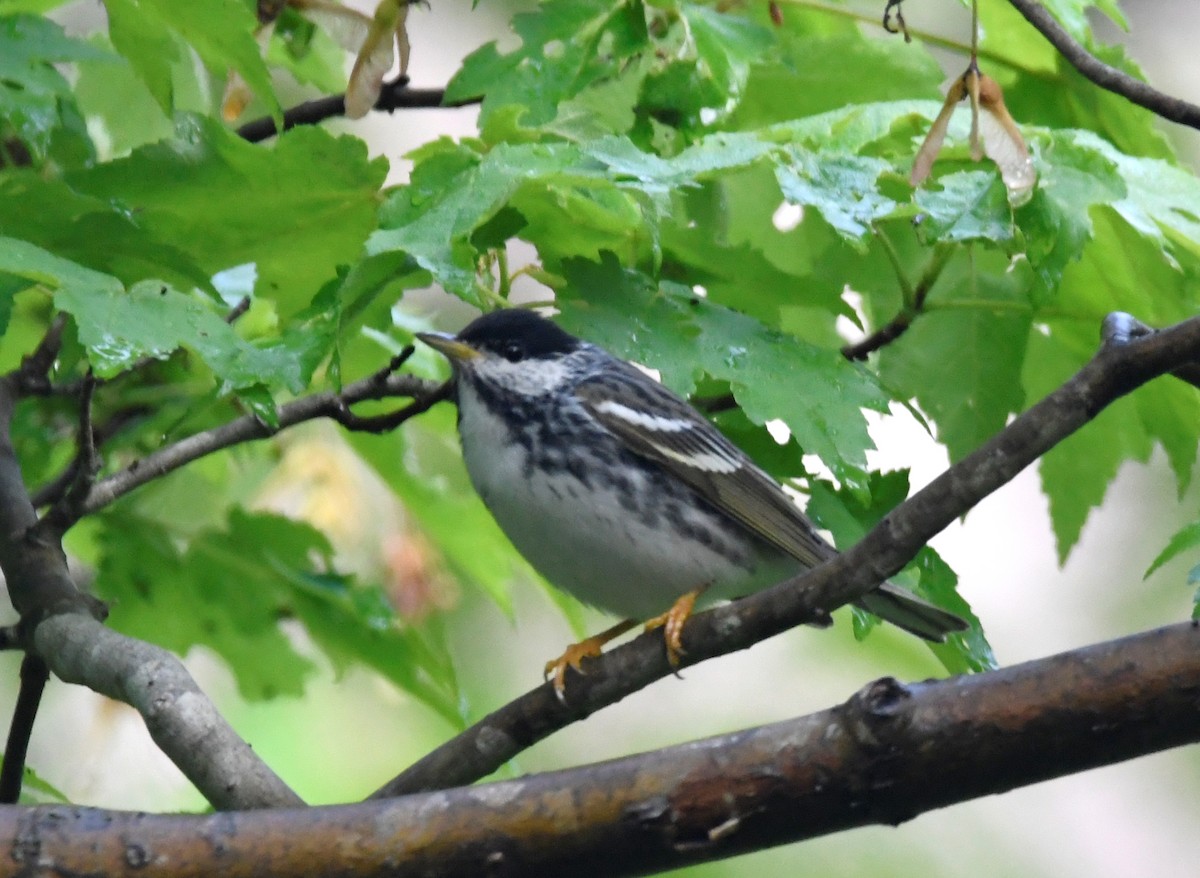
(449, 346)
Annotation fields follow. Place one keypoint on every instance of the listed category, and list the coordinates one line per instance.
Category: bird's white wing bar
(654, 423)
(699, 455)
(676, 438)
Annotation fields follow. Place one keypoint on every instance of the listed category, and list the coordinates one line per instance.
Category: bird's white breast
(583, 539)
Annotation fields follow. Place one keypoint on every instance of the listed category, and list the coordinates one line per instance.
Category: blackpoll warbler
(619, 492)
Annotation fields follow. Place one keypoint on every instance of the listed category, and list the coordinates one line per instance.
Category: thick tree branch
(395, 95)
(59, 625)
(1104, 75)
(180, 718)
(1120, 328)
(35, 569)
(1115, 371)
(247, 428)
(888, 754)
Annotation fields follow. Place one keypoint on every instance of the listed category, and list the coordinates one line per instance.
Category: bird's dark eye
(512, 352)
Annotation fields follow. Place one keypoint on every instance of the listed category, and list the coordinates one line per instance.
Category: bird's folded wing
(657, 425)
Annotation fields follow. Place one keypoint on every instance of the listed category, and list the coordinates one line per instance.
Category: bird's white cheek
(524, 378)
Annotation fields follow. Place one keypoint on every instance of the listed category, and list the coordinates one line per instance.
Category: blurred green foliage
(648, 153)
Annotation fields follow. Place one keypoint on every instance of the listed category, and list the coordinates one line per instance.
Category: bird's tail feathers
(915, 615)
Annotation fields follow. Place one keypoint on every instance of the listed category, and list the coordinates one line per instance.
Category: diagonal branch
(60, 625)
(888, 754)
(182, 721)
(914, 300)
(1105, 75)
(247, 428)
(1116, 370)
(1120, 328)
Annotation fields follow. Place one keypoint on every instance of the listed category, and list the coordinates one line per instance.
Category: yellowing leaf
(237, 90)
(1003, 143)
(994, 133)
(932, 144)
(376, 57)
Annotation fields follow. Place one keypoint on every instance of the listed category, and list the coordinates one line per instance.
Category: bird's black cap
(500, 331)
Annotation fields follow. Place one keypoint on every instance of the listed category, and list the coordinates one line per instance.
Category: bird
(619, 492)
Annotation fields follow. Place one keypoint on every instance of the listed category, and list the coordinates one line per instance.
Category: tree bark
(888, 754)
(1127, 360)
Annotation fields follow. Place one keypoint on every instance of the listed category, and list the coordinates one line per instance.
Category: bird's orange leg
(671, 622)
(577, 652)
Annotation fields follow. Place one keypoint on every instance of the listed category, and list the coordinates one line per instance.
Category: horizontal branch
(888, 754)
(1105, 75)
(395, 95)
(1114, 371)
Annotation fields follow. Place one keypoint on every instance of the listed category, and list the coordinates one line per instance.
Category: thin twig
(238, 310)
(1104, 75)
(395, 95)
(85, 466)
(893, 8)
(915, 297)
(89, 460)
(1116, 370)
(54, 490)
(33, 375)
(249, 427)
(34, 675)
(924, 36)
(390, 421)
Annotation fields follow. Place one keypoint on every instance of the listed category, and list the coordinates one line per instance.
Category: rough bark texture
(1122, 365)
(181, 719)
(888, 754)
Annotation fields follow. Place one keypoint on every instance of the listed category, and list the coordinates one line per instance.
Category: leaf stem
(924, 36)
(914, 299)
(974, 30)
(503, 280)
(889, 250)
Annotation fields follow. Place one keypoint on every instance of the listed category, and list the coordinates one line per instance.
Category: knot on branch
(1120, 329)
(875, 714)
(877, 719)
